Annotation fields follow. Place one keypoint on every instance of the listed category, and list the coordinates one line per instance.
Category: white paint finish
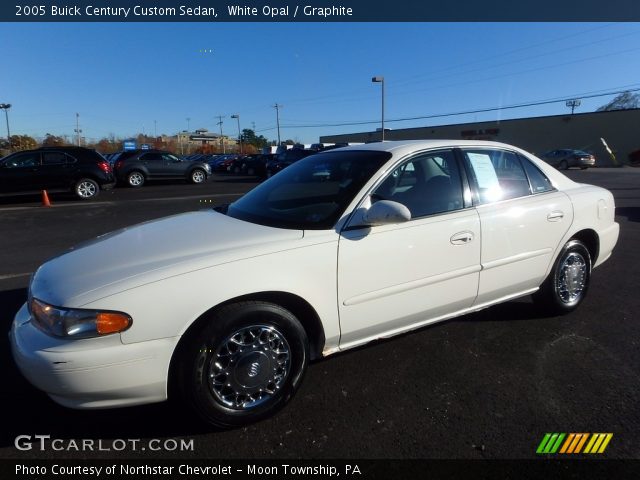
(363, 284)
(519, 241)
(108, 374)
(150, 252)
(391, 276)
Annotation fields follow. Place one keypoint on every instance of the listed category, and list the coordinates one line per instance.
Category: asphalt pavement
(486, 385)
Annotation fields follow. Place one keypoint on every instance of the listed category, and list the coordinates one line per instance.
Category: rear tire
(86, 189)
(244, 364)
(135, 179)
(568, 282)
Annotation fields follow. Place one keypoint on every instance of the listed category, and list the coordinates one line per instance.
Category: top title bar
(321, 11)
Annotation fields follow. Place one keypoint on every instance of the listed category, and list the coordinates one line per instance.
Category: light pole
(381, 80)
(278, 107)
(77, 130)
(6, 107)
(220, 117)
(572, 104)
(237, 117)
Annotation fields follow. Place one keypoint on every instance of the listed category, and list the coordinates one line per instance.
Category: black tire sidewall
(203, 345)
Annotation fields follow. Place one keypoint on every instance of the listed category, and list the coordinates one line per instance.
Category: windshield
(311, 193)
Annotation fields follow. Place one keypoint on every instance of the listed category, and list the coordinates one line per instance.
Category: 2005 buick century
(227, 306)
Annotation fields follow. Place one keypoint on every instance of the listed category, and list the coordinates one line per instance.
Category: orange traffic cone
(45, 199)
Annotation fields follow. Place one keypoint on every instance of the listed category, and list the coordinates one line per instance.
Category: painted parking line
(119, 202)
(14, 275)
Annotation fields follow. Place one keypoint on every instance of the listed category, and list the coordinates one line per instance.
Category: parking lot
(487, 385)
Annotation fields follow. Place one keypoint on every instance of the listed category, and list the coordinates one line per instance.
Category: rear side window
(496, 174)
(538, 180)
(56, 158)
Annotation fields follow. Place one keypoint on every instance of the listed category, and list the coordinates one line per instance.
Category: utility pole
(278, 107)
(253, 126)
(155, 129)
(188, 122)
(77, 130)
(220, 117)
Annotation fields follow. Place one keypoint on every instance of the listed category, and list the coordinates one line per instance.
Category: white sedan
(225, 307)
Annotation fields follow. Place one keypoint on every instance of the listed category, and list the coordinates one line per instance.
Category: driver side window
(427, 184)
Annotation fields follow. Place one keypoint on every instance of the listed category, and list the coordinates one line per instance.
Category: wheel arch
(591, 240)
(300, 308)
(194, 168)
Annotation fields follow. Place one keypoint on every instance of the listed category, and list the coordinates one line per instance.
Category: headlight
(75, 322)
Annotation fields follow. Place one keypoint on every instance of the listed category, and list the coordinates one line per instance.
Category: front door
(394, 277)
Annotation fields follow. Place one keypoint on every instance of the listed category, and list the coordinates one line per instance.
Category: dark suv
(286, 158)
(134, 167)
(81, 170)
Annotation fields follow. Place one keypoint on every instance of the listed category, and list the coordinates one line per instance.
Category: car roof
(406, 147)
(397, 146)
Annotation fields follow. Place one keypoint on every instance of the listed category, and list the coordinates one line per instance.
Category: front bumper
(91, 373)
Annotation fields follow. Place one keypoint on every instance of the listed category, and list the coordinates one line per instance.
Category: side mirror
(386, 212)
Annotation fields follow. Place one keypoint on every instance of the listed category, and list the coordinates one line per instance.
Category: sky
(161, 78)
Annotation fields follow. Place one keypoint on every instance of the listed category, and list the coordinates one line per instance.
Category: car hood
(152, 251)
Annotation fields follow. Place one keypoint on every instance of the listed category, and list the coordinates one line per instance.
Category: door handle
(462, 238)
(555, 216)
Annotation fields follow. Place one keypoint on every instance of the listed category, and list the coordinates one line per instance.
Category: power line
(467, 112)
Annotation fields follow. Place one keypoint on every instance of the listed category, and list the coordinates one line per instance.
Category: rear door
(154, 163)
(57, 170)
(522, 217)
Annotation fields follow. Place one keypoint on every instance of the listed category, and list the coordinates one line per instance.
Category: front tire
(567, 284)
(86, 189)
(244, 364)
(198, 176)
(563, 165)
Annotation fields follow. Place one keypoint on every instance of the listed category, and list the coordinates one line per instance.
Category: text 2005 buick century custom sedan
(227, 306)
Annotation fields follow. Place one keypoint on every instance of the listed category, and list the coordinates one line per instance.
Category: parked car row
(85, 172)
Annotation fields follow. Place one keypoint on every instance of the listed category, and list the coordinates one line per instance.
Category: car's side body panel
(519, 239)
(394, 276)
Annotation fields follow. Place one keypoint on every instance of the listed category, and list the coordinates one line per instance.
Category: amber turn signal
(111, 322)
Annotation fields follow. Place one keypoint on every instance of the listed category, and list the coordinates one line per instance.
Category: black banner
(319, 11)
(83, 469)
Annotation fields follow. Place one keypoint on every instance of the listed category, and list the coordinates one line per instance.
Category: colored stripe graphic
(598, 442)
(550, 443)
(574, 443)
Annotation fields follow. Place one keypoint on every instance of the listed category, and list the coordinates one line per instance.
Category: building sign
(480, 134)
(129, 145)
